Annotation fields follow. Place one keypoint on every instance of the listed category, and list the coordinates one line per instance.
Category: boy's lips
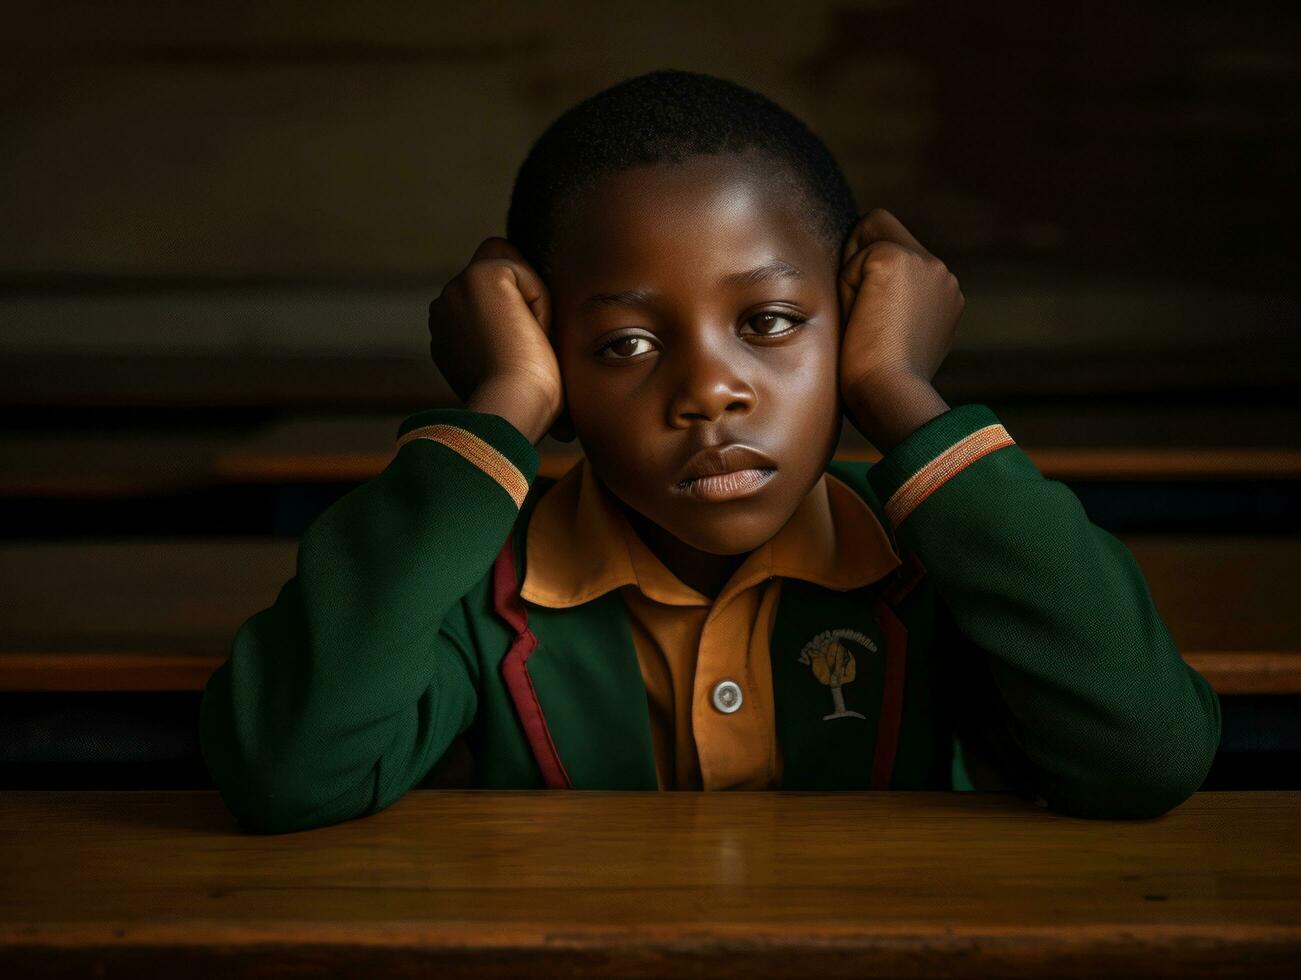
(727, 486)
(718, 460)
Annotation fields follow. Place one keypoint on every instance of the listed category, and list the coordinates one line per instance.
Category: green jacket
(1019, 650)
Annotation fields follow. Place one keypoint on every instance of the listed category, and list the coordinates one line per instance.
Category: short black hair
(666, 117)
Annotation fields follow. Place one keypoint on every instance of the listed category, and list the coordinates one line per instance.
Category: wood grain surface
(474, 883)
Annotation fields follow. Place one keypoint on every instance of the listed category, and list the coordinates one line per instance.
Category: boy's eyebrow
(776, 269)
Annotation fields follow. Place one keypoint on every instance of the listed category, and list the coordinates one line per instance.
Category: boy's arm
(1089, 704)
(339, 697)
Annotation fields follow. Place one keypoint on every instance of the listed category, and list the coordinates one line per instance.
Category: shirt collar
(580, 545)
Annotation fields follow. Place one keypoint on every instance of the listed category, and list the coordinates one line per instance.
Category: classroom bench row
(159, 614)
(1102, 442)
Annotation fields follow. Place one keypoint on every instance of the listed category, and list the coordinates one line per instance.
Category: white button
(727, 696)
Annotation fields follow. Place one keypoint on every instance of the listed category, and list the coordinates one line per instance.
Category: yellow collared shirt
(580, 546)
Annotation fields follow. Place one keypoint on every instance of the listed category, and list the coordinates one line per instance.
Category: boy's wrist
(511, 401)
(886, 411)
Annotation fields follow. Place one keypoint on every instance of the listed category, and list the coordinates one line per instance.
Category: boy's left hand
(901, 306)
(900, 303)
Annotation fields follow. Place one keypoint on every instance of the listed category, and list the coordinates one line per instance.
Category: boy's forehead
(698, 217)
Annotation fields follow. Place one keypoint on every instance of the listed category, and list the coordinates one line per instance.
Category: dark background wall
(223, 224)
(262, 176)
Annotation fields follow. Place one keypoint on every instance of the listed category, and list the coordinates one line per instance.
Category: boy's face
(695, 360)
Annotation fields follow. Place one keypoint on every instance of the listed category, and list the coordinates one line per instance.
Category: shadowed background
(224, 225)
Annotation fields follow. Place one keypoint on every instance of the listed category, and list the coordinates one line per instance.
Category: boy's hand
(489, 334)
(901, 306)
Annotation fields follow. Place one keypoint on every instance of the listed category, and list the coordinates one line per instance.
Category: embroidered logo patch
(833, 664)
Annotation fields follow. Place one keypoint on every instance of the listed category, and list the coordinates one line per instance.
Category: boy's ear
(562, 430)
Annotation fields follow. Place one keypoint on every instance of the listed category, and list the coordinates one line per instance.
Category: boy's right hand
(489, 334)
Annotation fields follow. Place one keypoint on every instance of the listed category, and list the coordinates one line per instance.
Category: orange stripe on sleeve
(942, 468)
(482, 454)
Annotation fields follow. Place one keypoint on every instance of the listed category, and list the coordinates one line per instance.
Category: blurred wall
(268, 176)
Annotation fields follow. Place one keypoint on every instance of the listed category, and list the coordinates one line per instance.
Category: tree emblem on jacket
(833, 665)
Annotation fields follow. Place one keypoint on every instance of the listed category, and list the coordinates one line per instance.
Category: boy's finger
(850, 280)
(534, 291)
(496, 247)
(886, 226)
(850, 245)
(853, 272)
(880, 225)
(852, 242)
(531, 286)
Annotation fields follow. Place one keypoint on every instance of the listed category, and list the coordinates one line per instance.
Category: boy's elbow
(274, 818)
(1142, 799)
(259, 816)
(264, 795)
(1184, 754)
(256, 801)
(264, 806)
(1148, 784)
(272, 799)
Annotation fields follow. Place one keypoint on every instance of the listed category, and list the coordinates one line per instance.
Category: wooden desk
(471, 883)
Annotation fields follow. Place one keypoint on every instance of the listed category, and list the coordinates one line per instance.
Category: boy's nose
(708, 386)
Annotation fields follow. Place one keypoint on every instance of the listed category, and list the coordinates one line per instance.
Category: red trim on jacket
(514, 669)
(907, 576)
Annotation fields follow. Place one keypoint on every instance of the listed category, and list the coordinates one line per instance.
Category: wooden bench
(355, 449)
(1102, 444)
(160, 614)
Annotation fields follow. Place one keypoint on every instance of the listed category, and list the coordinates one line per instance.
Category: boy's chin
(722, 536)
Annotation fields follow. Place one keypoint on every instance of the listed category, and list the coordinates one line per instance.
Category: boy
(707, 600)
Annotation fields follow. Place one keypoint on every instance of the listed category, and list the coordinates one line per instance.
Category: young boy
(707, 600)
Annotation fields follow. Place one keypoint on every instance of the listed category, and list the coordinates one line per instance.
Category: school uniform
(944, 618)
(704, 663)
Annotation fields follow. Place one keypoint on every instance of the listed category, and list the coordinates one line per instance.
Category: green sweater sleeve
(1089, 704)
(339, 697)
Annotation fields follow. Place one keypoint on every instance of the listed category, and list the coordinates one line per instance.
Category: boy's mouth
(728, 472)
(727, 486)
(721, 460)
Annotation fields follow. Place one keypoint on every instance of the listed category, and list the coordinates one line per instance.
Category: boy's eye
(625, 348)
(770, 316)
